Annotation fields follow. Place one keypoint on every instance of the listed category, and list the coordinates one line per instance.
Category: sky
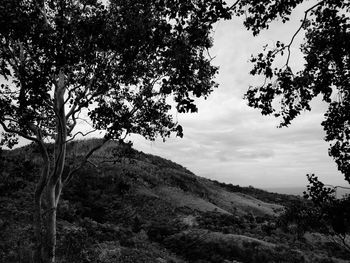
(230, 142)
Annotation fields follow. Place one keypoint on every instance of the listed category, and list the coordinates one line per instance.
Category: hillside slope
(135, 207)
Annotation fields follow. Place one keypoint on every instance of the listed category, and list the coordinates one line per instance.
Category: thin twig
(93, 164)
(81, 133)
(234, 5)
(298, 30)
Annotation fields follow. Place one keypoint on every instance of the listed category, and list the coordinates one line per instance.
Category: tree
(117, 62)
(326, 72)
(332, 213)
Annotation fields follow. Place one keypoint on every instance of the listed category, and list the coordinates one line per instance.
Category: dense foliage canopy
(113, 64)
(119, 60)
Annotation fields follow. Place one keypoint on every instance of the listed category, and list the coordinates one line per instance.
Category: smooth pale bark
(54, 185)
(49, 187)
(50, 240)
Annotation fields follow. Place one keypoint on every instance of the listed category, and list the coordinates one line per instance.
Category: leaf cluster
(333, 212)
(326, 71)
(118, 64)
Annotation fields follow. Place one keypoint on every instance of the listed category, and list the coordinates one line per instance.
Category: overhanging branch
(22, 134)
(299, 29)
(288, 46)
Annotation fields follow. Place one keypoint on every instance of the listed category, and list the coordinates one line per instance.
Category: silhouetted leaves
(333, 212)
(286, 93)
(121, 61)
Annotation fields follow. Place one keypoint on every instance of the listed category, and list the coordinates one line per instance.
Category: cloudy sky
(230, 142)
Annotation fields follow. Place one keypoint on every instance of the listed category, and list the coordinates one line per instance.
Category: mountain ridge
(135, 207)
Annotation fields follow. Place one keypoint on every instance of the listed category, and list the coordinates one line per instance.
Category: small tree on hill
(118, 62)
(326, 71)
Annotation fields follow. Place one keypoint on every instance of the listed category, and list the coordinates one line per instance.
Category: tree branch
(296, 33)
(83, 134)
(86, 159)
(22, 134)
(234, 5)
(72, 126)
(74, 108)
(93, 164)
(38, 194)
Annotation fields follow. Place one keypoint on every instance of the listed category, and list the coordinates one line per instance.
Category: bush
(158, 231)
(73, 243)
(299, 218)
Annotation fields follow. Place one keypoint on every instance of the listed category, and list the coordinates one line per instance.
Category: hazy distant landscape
(135, 207)
(299, 191)
(287, 190)
(86, 84)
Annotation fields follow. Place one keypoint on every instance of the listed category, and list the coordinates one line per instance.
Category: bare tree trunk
(54, 186)
(50, 227)
(37, 224)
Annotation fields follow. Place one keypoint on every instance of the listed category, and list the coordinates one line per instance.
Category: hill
(128, 206)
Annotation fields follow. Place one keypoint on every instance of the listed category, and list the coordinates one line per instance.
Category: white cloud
(230, 142)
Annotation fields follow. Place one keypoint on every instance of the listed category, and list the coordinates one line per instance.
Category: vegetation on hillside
(117, 212)
(121, 64)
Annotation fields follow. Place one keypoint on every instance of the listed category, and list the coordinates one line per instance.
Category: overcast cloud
(230, 142)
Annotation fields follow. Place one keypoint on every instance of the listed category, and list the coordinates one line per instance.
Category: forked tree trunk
(50, 185)
(54, 182)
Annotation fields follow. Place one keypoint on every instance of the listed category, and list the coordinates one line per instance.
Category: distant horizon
(286, 190)
(230, 142)
(233, 143)
(299, 190)
(281, 188)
